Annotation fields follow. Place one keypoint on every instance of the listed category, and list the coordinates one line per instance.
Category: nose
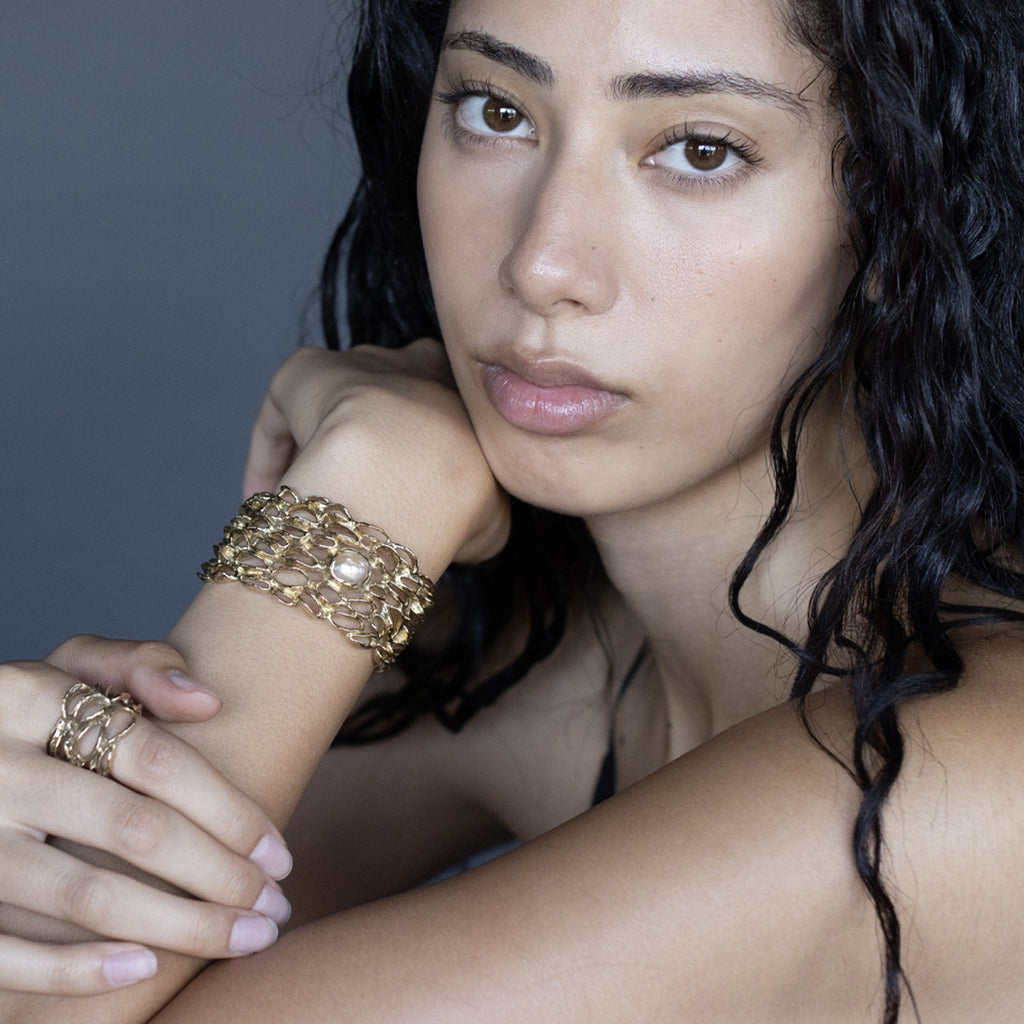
(562, 260)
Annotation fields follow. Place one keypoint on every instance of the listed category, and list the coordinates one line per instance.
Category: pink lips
(548, 398)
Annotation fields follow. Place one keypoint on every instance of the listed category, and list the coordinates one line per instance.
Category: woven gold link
(311, 552)
(91, 723)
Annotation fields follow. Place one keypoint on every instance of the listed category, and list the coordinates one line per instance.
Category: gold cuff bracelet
(311, 552)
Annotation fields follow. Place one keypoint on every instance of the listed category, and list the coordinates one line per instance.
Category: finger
(87, 809)
(192, 801)
(310, 385)
(60, 886)
(271, 449)
(302, 391)
(151, 672)
(74, 970)
(160, 765)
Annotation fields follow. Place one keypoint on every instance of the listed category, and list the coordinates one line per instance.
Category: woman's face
(632, 235)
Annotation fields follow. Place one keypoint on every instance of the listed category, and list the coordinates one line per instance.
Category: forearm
(286, 682)
(389, 437)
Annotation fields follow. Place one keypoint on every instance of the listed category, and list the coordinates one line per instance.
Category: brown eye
(699, 159)
(705, 156)
(499, 116)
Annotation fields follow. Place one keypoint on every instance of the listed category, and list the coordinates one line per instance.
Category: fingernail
(272, 904)
(182, 681)
(129, 966)
(251, 934)
(273, 856)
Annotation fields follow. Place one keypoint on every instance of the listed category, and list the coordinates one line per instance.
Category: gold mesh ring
(90, 725)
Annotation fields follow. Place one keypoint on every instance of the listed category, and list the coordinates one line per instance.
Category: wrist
(309, 551)
(428, 494)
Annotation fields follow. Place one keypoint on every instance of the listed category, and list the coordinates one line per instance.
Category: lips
(550, 397)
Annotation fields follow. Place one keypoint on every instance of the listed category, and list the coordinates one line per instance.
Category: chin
(557, 495)
(566, 496)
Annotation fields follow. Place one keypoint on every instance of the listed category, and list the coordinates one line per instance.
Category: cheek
(763, 288)
(746, 317)
(435, 219)
(459, 225)
(436, 211)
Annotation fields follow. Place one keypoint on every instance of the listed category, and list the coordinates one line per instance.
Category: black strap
(606, 778)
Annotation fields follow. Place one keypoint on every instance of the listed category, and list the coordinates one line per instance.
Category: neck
(673, 563)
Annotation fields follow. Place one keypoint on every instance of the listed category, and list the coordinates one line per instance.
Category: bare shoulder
(640, 909)
(747, 839)
(972, 737)
(956, 821)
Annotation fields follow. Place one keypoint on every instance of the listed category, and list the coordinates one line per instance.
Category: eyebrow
(510, 56)
(646, 85)
(639, 86)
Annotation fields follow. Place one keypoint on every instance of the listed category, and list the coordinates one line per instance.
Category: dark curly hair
(931, 169)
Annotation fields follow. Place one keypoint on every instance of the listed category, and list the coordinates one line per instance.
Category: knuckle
(294, 364)
(139, 829)
(206, 931)
(152, 652)
(304, 354)
(85, 897)
(156, 755)
(70, 648)
(65, 975)
(23, 683)
(241, 887)
(240, 824)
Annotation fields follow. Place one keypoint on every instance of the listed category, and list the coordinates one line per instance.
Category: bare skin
(621, 324)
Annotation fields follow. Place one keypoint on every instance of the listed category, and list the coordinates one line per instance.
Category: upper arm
(722, 888)
(704, 893)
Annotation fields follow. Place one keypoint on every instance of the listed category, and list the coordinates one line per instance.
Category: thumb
(153, 673)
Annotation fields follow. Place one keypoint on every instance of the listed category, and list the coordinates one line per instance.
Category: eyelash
(458, 90)
(463, 89)
(744, 150)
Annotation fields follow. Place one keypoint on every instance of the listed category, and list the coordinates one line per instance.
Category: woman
(706, 275)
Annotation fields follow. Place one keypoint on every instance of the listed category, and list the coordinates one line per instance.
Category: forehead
(587, 42)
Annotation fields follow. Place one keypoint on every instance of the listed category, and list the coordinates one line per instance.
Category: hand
(166, 811)
(399, 406)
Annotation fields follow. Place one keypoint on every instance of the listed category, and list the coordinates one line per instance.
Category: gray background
(168, 183)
